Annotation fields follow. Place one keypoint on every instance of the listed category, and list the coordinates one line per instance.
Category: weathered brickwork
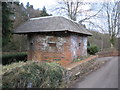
(80, 69)
(60, 48)
(78, 46)
(108, 53)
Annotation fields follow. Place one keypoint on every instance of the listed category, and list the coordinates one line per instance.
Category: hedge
(10, 58)
(32, 74)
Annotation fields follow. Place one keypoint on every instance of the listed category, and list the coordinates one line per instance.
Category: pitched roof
(50, 23)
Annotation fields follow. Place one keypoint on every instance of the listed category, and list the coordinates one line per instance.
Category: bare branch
(91, 16)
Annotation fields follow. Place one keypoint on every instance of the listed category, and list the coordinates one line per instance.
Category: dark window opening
(31, 43)
(52, 47)
(79, 44)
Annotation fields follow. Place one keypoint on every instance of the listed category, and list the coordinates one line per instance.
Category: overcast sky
(50, 4)
(40, 3)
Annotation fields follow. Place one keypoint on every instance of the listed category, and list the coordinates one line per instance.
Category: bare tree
(69, 7)
(109, 20)
(74, 9)
(112, 15)
(118, 8)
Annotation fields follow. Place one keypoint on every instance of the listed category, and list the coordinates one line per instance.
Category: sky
(50, 4)
(40, 3)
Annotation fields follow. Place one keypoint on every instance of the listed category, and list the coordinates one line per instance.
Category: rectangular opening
(52, 47)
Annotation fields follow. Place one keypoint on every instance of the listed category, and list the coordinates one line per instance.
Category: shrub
(10, 58)
(32, 74)
(80, 58)
(92, 49)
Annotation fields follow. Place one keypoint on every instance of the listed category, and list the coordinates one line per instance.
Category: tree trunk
(112, 41)
(111, 45)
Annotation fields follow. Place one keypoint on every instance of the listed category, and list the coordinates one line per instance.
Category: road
(105, 77)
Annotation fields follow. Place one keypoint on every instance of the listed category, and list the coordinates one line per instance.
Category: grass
(81, 58)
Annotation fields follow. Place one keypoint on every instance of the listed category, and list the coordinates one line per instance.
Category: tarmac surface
(105, 77)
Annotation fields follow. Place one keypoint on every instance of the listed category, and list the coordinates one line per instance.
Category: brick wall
(108, 53)
(78, 46)
(61, 48)
(80, 69)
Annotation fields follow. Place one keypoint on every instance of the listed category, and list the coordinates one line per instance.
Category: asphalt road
(105, 77)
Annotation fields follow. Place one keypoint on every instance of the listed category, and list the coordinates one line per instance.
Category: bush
(32, 74)
(10, 58)
(92, 49)
(80, 58)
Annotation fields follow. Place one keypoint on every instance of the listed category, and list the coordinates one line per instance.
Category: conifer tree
(44, 12)
(6, 23)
